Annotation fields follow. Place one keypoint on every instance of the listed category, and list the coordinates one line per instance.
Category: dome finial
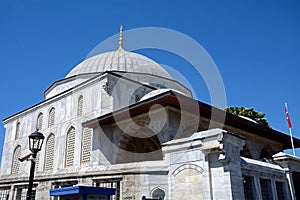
(121, 39)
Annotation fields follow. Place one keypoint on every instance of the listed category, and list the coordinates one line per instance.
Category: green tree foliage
(259, 117)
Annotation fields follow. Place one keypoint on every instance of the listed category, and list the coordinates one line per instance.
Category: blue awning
(82, 190)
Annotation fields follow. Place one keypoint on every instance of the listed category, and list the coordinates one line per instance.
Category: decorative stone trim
(187, 166)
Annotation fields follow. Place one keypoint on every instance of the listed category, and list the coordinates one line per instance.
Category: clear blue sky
(255, 44)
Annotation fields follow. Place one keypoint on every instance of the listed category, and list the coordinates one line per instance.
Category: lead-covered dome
(119, 61)
(136, 67)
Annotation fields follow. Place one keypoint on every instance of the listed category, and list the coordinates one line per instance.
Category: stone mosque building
(119, 120)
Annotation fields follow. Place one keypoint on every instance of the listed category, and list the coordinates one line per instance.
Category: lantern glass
(36, 140)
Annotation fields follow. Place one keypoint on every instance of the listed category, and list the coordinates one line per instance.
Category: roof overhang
(187, 104)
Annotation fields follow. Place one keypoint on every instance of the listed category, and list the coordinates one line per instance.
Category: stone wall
(205, 165)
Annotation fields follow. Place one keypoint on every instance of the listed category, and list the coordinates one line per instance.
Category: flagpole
(289, 125)
(292, 141)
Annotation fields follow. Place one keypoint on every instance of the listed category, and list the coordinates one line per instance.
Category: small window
(39, 123)
(80, 106)
(16, 163)
(17, 135)
(266, 189)
(137, 97)
(51, 119)
(158, 194)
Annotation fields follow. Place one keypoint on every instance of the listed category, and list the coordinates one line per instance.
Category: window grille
(4, 193)
(80, 106)
(49, 157)
(281, 190)
(86, 145)
(266, 189)
(111, 184)
(21, 193)
(16, 163)
(70, 147)
(249, 187)
(17, 135)
(51, 119)
(39, 124)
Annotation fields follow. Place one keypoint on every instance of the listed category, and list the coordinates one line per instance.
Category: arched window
(80, 106)
(17, 135)
(39, 122)
(86, 145)
(70, 147)
(51, 119)
(49, 157)
(15, 161)
(158, 194)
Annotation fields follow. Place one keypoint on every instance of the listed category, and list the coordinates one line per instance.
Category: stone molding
(187, 166)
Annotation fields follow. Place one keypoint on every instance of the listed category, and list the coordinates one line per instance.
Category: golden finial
(121, 39)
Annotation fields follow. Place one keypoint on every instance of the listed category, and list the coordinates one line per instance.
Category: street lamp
(36, 140)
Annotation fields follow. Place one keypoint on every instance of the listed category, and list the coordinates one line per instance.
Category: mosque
(119, 120)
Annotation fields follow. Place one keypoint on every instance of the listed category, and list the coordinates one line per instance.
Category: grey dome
(119, 61)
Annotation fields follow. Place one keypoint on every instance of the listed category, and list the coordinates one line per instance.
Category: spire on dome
(121, 40)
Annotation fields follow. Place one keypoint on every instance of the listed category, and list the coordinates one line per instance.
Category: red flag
(287, 116)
